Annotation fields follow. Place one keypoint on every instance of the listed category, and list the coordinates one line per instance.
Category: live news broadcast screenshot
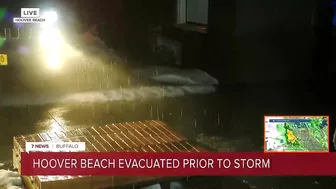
(169, 94)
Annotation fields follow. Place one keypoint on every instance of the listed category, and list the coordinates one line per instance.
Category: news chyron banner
(55, 147)
(296, 134)
(177, 164)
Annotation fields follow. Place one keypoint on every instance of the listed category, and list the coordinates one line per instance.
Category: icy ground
(177, 76)
(177, 84)
(10, 180)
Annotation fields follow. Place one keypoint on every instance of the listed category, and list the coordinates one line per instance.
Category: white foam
(176, 79)
(154, 186)
(173, 185)
(124, 94)
(13, 187)
(10, 179)
(177, 76)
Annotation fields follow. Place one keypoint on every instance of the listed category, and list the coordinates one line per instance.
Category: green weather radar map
(296, 134)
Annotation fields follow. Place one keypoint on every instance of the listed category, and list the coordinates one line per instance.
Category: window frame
(181, 19)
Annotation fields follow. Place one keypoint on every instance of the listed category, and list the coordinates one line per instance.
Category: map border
(295, 116)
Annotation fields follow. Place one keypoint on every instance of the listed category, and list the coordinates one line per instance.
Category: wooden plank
(144, 136)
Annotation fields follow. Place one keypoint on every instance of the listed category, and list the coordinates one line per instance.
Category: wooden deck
(141, 136)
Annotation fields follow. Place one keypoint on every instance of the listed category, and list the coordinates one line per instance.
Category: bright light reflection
(54, 62)
(51, 38)
(50, 16)
(55, 127)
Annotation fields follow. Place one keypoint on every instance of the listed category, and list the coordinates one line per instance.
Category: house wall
(272, 40)
(248, 41)
(261, 41)
(140, 18)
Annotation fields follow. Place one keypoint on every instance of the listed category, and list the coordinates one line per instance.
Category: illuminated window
(192, 11)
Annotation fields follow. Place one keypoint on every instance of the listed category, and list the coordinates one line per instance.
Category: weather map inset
(296, 134)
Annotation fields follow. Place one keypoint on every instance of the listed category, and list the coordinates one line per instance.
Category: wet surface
(230, 119)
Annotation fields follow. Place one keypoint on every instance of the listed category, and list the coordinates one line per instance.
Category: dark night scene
(209, 70)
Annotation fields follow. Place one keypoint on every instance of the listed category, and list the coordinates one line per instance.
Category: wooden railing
(16, 33)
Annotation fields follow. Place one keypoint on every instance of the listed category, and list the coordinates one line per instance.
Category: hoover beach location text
(130, 163)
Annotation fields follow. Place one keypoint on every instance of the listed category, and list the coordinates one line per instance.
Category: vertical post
(5, 33)
(181, 11)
